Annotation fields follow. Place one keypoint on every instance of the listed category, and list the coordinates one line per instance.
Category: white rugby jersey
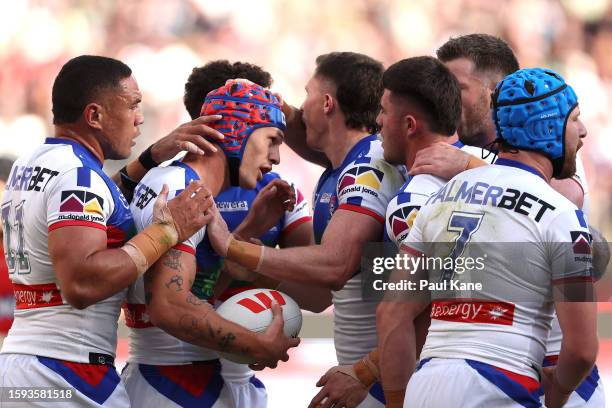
(404, 206)
(363, 183)
(507, 202)
(149, 344)
(59, 184)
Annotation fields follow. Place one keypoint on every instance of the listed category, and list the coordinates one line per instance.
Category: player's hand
(554, 397)
(190, 137)
(269, 206)
(188, 211)
(274, 342)
(218, 233)
(340, 389)
(440, 159)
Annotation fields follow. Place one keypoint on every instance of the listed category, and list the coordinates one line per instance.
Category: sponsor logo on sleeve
(581, 242)
(401, 221)
(361, 179)
(85, 202)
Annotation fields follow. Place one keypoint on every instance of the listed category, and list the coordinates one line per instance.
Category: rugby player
(69, 245)
(293, 229)
(351, 198)
(479, 61)
(169, 311)
(494, 356)
(421, 105)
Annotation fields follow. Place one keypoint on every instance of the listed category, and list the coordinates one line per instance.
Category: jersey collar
(458, 144)
(519, 165)
(188, 169)
(357, 149)
(78, 149)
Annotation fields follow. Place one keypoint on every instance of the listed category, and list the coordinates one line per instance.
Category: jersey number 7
(465, 224)
(16, 257)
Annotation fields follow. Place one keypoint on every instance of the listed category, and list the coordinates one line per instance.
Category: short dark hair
(6, 163)
(358, 82)
(431, 87)
(488, 53)
(213, 75)
(80, 81)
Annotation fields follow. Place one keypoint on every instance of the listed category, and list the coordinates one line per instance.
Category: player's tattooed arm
(175, 309)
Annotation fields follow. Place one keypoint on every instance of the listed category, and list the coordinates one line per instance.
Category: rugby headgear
(530, 111)
(244, 107)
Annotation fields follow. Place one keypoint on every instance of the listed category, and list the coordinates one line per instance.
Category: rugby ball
(252, 310)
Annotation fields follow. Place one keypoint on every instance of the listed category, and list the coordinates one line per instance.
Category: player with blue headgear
(534, 109)
(483, 359)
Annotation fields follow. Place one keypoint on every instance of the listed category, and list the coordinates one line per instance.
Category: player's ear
(328, 104)
(92, 114)
(410, 124)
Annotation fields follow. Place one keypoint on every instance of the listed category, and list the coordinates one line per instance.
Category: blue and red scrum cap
(530, 111)
(244, 107)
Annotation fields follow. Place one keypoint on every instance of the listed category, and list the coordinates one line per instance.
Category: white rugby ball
(252, 310)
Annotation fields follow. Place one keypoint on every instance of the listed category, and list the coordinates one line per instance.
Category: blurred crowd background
(162, 40)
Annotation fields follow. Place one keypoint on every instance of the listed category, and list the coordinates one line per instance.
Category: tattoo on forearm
(175, 280)
(189, 326)
(198, 328)
(226, 341)
(172, 259)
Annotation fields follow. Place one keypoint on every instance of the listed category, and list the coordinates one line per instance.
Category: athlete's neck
(537, 161)
(340, 142)
(213, 169)
(82, 136)
(417, 143)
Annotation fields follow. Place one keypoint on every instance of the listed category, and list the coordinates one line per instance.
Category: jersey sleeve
(570, 247)
(414, 243)
(367, 185)
(299, 215)
(79, 197)
(401, 213)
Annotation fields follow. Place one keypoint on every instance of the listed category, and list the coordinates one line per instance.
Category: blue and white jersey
(404, 206)
(59, 184)
(507, 202)
(363, 183)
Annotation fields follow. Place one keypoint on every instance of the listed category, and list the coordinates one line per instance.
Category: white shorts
(589, 394)
(443, 383)
(91, 385)
(248, 391)
(189, 385)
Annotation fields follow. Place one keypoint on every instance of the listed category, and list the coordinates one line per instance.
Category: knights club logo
(581, 242)
(81, 201)
(401, 220)
(362, 175)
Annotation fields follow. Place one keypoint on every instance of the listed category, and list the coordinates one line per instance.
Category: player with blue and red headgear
(245, 107)
(176, 333)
